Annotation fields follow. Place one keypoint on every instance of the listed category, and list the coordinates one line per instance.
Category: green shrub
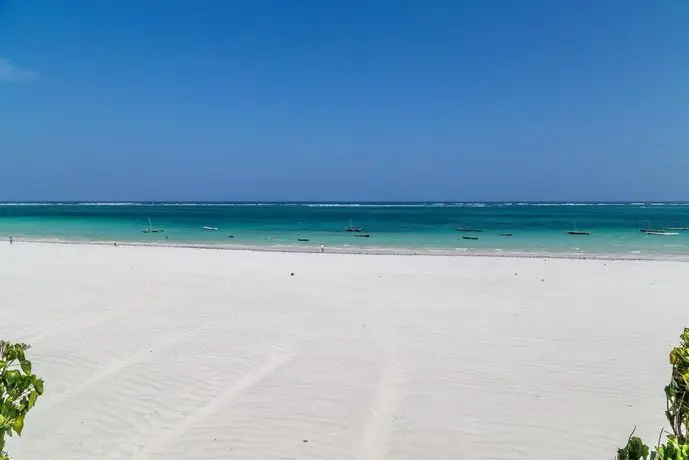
(19, 390)
(677, 413)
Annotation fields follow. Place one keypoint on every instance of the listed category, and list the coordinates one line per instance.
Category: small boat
(506, 234)
(230, 236)
(353, 229)
(302, 239)
(362, 235)
(470, 237)
(650, 229)
(210, 229)
(577, 232)
(660, 233)
(150, 228)
(475, 230)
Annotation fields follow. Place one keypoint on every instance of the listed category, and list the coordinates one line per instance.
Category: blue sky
(352, 100)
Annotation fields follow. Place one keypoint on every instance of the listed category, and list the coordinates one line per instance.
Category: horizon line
(343, 202)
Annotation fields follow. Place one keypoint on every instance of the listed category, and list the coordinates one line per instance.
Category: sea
(410, 228)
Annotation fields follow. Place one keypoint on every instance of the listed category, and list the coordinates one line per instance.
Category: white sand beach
(169, 353)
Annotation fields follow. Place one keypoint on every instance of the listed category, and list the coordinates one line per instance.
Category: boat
(150, 228)
(210, 229)
(475, 230)
(660, 233)
(230, 236)
(649, 229)
(506, 234)
(577, 232)
(470, 237)
(362, 235)
(302, 239)
(353, 229)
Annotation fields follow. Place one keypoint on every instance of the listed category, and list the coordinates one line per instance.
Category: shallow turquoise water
(536, 227)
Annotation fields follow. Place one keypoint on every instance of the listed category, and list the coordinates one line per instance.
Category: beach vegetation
(19, 391)
(676, 446)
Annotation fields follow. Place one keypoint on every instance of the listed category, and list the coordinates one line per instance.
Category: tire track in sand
(224, 398)
(115, 367)
(375, 440)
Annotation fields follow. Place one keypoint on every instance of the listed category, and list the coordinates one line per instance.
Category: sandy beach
(174, 353)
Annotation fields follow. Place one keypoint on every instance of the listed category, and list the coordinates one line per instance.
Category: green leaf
(634, 450)
(19, 351)
(669, 391)
(18, 425)
(644, 451)
(33, 396)
(9, 355)
(19, 390)
(11, 377)
(38, 385)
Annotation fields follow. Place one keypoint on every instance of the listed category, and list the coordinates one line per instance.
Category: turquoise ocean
(393, 227)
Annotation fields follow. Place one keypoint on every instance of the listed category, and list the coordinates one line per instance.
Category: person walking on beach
(11, 240)
(322, 248)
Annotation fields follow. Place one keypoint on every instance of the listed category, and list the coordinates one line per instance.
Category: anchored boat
(577, 232)
(151, 229)
(351, 228)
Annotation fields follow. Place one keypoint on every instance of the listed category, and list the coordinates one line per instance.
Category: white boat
(657, 233)
(210, 229)
(150, 228)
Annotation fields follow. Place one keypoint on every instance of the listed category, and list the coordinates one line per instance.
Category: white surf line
(117, 366)
(375, 440)
(222, 399)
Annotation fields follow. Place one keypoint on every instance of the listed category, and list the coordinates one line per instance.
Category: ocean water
(417, 227)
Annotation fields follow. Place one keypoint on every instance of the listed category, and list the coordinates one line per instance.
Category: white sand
(163, 353)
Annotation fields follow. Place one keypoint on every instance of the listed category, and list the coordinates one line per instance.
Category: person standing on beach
(322, 248)
(11, 240)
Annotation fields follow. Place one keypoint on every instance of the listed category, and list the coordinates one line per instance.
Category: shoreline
(379, 251)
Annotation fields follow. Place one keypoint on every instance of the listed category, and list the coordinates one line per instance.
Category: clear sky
(344, 100)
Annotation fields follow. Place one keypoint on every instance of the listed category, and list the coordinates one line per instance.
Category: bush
(19, 390)
(677, 413)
